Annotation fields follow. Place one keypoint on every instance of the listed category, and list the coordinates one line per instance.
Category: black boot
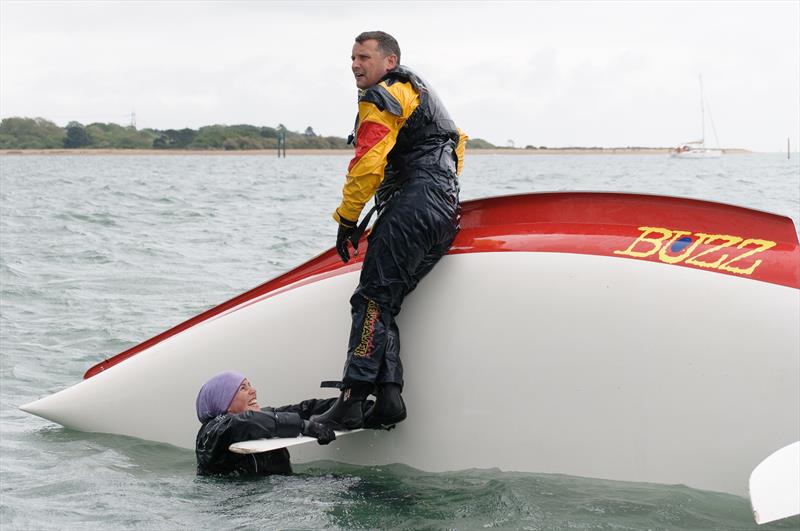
(347, 412)
(389, 408)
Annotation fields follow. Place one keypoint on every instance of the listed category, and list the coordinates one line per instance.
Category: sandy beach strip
(344, 152)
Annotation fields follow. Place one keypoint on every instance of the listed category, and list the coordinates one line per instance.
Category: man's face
(369, 64)
(245, 399)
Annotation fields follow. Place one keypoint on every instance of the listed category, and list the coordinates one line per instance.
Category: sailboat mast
(702, 114)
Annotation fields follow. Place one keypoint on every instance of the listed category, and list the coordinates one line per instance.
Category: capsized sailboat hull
(619, 336)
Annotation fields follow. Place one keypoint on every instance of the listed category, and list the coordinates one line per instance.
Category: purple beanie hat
(217, 394)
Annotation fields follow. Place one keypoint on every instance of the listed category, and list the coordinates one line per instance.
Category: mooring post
(281, 143)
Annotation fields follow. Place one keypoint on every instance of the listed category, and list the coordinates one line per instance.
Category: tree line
(39, 133)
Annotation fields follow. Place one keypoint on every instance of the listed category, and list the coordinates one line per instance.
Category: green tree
(479, 143)
(76, 136)
(30, 133)
(175, 139)
(209, 137)
(115, 136)
(131, 138)
(183, 137)
(268, 132)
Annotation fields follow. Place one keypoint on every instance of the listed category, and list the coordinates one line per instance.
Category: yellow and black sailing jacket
(402, 131)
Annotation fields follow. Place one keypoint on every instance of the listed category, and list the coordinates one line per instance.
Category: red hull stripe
(712, 237)
(369, 134)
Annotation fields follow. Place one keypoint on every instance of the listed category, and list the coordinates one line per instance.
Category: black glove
(321, 432)
(346, 230)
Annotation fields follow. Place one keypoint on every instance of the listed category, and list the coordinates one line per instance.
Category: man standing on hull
(408, 154)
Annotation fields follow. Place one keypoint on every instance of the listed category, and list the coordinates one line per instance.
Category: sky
(555, 74)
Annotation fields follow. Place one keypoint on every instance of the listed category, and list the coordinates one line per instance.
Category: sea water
(98, 253)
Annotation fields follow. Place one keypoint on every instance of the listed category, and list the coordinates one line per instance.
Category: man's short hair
(386, 43)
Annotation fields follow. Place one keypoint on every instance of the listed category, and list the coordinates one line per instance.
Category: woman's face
(245, 399)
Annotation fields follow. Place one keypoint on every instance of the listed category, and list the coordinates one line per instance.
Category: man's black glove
(323, 433)
(346, 230)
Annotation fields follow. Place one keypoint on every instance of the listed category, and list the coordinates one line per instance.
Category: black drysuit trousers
(413, 231)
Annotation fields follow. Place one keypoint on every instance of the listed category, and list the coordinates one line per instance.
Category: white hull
(698, 154)
(542, 362)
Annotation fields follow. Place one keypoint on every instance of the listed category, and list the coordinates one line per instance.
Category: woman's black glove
(346, 230)
(322, 433)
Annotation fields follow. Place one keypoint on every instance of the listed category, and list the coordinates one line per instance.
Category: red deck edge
(673, 231)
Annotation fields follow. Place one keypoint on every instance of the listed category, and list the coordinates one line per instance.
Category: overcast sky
(540, 73)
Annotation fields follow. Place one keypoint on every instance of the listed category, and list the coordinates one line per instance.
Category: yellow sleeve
(380, 119)
(460, 149)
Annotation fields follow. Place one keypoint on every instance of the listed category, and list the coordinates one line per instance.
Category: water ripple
(99, 253)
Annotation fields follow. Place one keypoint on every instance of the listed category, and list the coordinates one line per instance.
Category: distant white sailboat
(697, 149)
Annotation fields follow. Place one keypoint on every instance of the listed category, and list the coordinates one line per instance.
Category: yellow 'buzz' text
(719, 251)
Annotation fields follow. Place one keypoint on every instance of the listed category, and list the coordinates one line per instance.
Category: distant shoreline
(348, 152)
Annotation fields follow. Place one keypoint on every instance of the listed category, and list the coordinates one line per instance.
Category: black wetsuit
(217, 434)
(418, 212)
